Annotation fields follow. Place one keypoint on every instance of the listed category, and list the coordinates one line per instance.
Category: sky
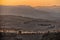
(30, 2)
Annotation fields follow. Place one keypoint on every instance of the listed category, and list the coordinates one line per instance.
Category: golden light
(30, 2)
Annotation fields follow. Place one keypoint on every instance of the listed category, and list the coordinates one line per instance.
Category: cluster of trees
(51, 36)
(45, 36)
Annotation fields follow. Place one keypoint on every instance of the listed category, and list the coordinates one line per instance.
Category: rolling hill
(27, 24)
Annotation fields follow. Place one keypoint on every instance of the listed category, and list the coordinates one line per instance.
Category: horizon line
(33, 6)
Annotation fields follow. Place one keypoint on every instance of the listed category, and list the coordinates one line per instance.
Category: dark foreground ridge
(28, 36)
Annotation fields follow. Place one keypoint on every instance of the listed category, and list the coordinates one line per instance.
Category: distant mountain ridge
(52, 9)
(28, 11)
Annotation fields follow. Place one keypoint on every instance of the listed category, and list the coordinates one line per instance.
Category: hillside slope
(28, 24)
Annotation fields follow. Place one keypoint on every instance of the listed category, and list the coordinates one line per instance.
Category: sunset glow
(30, 2)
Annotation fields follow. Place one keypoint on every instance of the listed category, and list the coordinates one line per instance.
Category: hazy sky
(30, 2)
